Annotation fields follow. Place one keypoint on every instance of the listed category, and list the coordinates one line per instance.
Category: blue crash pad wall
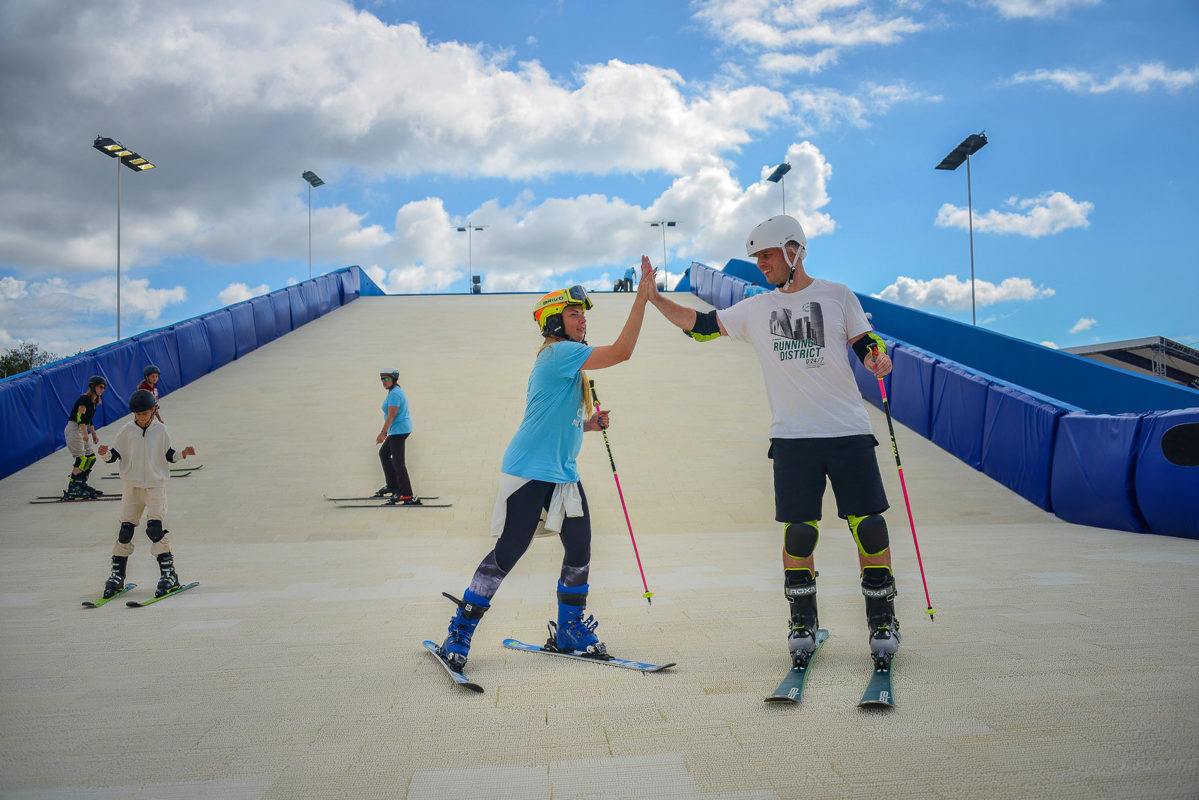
(1092, 478)
(1167, 494)
(34, 404)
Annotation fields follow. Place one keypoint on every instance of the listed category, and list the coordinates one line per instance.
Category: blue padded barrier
(959, 402)
(245, 337)
(122, 364)
(331, 298)
(221, 343)
(1017, 447)
(195, 356)
(264, 320)
(912, 388)
(733, 291)
(32, 424)
(161, 349)
(1092, 473)
(1167, 494)
(703, 288)
(281, 301)
(299, 307)
(347, 282)
(311, 292)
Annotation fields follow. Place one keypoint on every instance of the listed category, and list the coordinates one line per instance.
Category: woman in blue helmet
(540, 473)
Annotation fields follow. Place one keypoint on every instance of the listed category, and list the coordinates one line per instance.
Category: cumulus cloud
(237, 292)
(802, 37)
(1050, 213)
(1038, 9)
(1139, 78)
(314, 88)
(1084, 324)
(952, 294)
(1050, 344)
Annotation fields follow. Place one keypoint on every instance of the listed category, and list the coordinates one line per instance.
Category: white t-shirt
(801, 340)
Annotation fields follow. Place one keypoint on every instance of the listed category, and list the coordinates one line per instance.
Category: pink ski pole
(895, 449)
(648, 594)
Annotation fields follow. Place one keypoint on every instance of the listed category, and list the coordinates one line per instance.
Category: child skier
(143, 447)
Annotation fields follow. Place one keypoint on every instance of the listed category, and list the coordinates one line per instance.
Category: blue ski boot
(456, 646)
(573, 634)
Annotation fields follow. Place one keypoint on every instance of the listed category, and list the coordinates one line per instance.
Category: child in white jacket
(143, 447)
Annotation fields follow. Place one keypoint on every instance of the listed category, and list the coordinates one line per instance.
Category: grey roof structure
(1061, 662)
(1152, 355)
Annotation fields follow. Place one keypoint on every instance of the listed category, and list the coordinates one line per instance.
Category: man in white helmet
(819, 429)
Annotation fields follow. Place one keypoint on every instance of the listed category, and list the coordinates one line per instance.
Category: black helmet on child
(142, 400)
(151, 370)
(96, 380)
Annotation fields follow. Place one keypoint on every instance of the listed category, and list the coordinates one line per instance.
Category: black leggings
(391, 456)
(520, 525)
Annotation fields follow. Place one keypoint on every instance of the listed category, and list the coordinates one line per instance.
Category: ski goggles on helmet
(556, 303)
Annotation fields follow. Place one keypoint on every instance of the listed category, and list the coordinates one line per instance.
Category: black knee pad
(154, 530)
(870, 533)
(126, 534)
(799, 538)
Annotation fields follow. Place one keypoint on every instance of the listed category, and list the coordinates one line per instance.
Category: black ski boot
(878, 587)
(384, 492)
(800, 590)
(116, 581)
(168, 581)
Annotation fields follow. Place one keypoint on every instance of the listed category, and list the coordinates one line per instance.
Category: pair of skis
(460, 678)
(62, 498)
(134, 603)
(879, 693)
(382, 502)
(176, 472)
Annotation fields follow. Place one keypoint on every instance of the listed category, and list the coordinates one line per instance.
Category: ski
(176, 472)
(393, 505)
(376, 497)
(878, 692)
(611, 661)
(457, 676)
(791, 689)
(43, 500)
(103, 600)
(183, 588)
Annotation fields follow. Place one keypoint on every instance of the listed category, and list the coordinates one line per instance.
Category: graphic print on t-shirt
(800, 336)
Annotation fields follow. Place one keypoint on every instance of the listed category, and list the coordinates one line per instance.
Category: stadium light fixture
(777, 177)
(113, 149)
(314, 181)
(969, 146)
(469, 230)
(664, 224)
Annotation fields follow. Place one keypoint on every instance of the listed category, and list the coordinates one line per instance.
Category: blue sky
(564, 128)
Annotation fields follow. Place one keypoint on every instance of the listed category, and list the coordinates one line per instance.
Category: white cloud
(804, 36)
(1039, 9)
(819, 108)
(1050, 213)
(237, 292)
(1084, 324)
(315, 87)
(1140, 78)
(954, 295)
(1050, 344)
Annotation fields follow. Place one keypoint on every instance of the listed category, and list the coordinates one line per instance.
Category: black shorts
(800, 466)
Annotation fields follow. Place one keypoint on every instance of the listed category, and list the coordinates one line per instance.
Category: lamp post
(123, 155)
(469, 230)
(969, 146)
(314, 181)
(777, 177)
(664, 224)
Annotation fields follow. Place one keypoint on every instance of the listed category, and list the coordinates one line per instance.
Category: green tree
(24, 357)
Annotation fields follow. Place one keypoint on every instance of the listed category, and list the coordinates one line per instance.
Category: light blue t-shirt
(403, 421)
(549, 437)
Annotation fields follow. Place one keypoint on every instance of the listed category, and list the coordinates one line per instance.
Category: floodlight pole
(664, 224)
(469, 229)
(314, 180)
(777, 177)
(969, 146)
(113, 149)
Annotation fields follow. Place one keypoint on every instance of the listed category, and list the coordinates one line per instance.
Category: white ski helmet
(776, 232)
